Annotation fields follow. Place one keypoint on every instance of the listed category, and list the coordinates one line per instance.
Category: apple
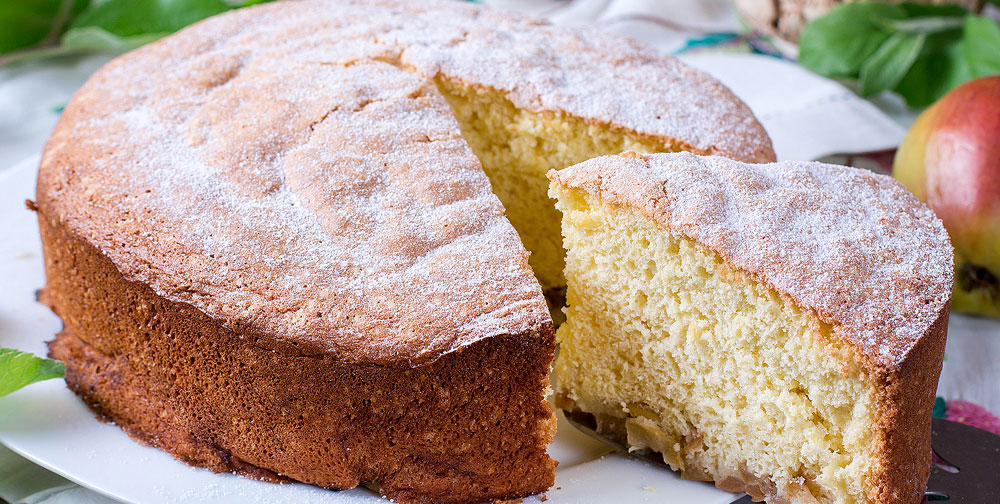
(950, 159)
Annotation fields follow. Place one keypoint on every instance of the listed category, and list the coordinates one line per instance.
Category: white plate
(49, 425)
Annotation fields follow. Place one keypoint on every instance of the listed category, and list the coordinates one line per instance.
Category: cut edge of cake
(516, 148)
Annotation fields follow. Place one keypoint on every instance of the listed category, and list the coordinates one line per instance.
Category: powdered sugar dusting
(550, 70)
(290, 169)
(854, 246)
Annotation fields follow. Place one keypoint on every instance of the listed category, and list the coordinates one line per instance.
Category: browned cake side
(905, 422)
(470, 426)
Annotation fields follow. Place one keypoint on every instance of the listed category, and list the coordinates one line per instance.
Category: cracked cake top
(291, 169)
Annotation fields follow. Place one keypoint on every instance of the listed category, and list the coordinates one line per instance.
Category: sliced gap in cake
(517, 147)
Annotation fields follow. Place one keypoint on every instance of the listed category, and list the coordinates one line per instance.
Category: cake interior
(517, 147)
(674, 351)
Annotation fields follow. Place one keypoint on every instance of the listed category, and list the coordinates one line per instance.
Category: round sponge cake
(276, 242)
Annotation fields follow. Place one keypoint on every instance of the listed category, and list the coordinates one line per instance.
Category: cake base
(472, 425)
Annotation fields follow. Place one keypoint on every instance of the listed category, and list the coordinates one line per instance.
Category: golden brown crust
(310, 212)
(905, 402)
(471, 426)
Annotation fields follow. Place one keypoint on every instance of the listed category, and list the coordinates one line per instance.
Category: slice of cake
(776, 328)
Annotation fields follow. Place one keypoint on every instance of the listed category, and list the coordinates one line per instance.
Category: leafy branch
(42, 28)
(919, 51)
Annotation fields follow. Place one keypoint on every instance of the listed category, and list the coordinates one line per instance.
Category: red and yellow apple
(950, 159)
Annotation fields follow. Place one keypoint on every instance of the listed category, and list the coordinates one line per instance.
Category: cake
(275, 241)
(775, 328)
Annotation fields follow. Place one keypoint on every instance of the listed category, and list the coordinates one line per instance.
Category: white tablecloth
(808, 117)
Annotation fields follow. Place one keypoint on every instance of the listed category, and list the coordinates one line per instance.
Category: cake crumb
(649, 488)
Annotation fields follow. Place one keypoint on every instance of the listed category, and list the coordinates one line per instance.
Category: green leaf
(920, 51)
(838, 43)
(92, 38)
(96, 25)
(27, 23)
(887, 66)
(982, 46)
(927, 24)
(928, 10)
(938, 70)
(18, 369)
(131, 18)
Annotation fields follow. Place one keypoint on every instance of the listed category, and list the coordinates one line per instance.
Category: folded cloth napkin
(807, 116)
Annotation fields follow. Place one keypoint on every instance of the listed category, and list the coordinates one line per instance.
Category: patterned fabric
(968, 413)
(749, 42)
